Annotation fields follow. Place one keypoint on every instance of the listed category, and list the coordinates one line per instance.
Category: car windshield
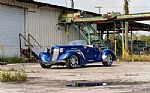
(78, 42)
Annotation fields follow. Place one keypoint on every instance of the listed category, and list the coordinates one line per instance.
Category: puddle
(93, 84)
(90, 84)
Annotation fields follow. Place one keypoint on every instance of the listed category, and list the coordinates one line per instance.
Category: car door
(91, 53)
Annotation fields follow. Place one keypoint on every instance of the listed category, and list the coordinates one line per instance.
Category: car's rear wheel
(72, 62)
(109, 60)
(45, 66)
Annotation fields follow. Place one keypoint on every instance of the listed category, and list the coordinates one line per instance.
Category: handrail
(20, 35)
(90, 26)
(34, 39)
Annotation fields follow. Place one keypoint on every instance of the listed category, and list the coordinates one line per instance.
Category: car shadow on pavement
(86, 66)
(91, 66)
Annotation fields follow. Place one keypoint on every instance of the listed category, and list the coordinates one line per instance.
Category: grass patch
(10, 60)
(137, 58)
(9, 76)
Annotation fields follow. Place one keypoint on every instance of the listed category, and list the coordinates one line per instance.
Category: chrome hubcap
(109, 59)
(73, 61)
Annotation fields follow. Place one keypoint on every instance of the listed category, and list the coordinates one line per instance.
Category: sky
(135, 6)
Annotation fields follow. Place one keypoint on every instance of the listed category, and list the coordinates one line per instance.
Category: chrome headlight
(61, 50)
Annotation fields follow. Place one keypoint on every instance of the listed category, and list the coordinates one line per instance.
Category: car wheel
(45, 66)
(72, 62)
(109, 60)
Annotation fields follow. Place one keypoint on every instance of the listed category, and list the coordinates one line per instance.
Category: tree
(145, 38)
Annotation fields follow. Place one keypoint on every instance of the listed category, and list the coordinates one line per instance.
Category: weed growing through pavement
(9, 76)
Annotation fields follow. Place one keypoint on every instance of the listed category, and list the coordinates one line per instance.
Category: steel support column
(123, 49)
(67, 26)
(102, 35)
(131, 46)
(115, 39)
(107, 35)
(126, 37)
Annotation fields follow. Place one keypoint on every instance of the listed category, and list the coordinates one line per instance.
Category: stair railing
(81, 28)
(30, 45)
(29, 35)
(90, 27)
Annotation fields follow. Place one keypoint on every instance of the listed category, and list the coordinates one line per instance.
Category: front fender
(70, 53)
(106, 52)
(45, 57)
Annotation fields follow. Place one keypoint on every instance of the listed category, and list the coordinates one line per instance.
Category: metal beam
(90, 20)
(129, 17)
(134, 17)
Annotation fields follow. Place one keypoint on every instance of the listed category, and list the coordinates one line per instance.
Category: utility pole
(72, 4)
(126, 7)
(66, 2)
(126, 11)
(99, 8)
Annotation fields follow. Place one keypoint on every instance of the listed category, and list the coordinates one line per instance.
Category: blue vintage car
(76, 54)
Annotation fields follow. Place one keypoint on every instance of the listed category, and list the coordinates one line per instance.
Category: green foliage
(137, 58)
(134, 36)
(119, 47)
(17, 76)
(141, 37)
(10, 60)
(118, 44)
(145, 38)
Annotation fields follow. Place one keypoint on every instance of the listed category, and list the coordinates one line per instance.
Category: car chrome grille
(55, 54)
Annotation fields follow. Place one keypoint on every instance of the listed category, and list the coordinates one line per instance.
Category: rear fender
(106, 52)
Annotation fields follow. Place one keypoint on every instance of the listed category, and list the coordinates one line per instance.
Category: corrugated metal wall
(11, 24)
(42, 24)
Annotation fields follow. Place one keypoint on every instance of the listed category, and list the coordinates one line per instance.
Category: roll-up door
(11, 24)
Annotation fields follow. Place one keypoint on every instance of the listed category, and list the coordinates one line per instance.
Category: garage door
(11, 24)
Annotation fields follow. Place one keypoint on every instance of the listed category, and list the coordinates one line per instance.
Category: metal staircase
(92, 35)
(27, 52)
(83, 26)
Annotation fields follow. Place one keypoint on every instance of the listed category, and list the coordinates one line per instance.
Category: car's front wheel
(45, 66)
(72, 62)
(109, 60)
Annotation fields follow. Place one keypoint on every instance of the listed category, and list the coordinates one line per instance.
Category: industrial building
(36, 20)
(28, 26)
